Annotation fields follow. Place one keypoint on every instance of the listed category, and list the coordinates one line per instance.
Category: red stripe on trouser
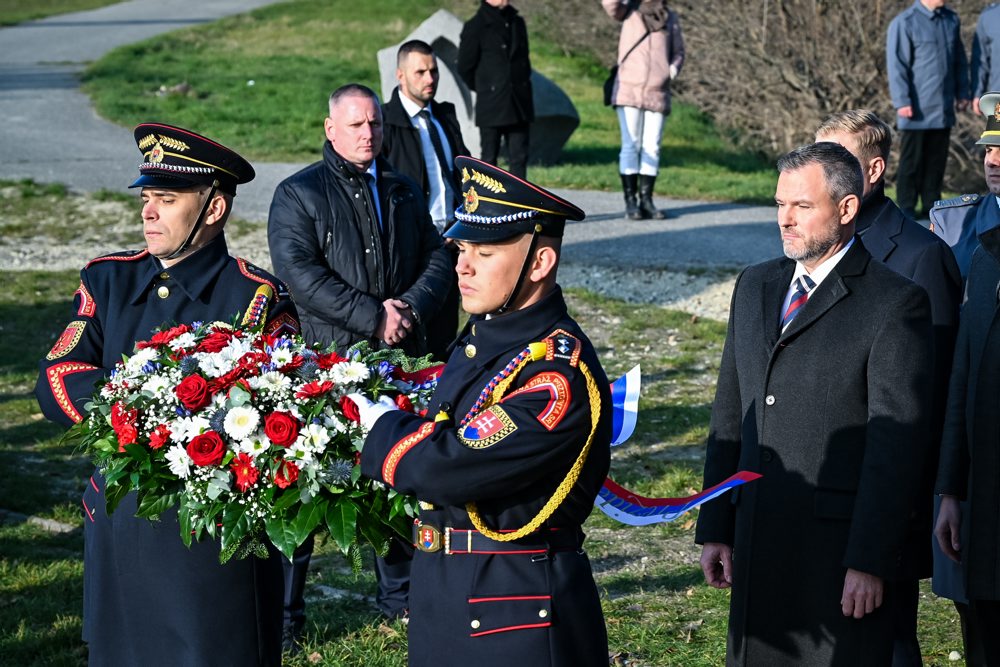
(508, 629)
(87, 510)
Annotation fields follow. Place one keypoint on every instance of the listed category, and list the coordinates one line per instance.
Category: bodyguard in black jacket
(341, 263)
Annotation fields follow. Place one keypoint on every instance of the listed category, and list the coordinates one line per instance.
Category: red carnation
(206, 449)
(281, 428)
(314, 389)
(193, 392)
(350, 409)
(404, 403)
(246, 474)
(215, 341)
(126, 434)
(328, 361)
(123, 423)
(164, 337)
(286, 475)
(159, 436)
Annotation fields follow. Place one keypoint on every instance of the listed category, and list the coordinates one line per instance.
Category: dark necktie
(436, 142)
(802, 286)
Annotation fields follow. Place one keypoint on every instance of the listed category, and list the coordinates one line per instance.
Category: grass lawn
(16, 11)
(296, 52)
(659, 613)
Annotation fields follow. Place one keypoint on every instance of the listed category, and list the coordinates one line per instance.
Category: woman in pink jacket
(650, 55)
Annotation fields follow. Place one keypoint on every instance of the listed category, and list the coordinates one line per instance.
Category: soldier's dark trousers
(922, 158)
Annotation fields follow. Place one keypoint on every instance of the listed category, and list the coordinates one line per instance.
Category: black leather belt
(452, 541)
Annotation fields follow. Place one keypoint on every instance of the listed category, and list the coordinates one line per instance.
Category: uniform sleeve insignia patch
(487, 428)
(282, 325)
(57, 383)
(87, 305)
(67, 340)
(560, 396)
(401, 448)
(563, 345)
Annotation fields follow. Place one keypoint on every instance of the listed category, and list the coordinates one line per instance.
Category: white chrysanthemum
(332, 419)
(300, 453)
(185, 341)
(179, 461)
(256, 444)
(281, 356)
(348, 372)
(271, 381)
(315, 437)
(184, 429)
(213, 365)
(157, 385)
(241, 422)
(142, 357)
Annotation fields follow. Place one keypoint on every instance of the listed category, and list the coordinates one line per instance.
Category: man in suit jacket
(421, 138)
(824, 390)
(916, 253)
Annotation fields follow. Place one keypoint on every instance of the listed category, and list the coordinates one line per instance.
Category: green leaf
(137, 452)
(235, 527)
(238, 396)
(153, 505)
(341, 520)
(184, 519)
(282, 536)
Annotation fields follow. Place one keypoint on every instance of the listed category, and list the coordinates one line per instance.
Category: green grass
(16, 11)
(296, 52)
(659, 612)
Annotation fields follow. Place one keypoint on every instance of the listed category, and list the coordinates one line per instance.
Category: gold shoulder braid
(256, 313)
(537, 351)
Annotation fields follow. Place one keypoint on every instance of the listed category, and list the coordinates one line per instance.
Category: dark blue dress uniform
(148, 599)
(520, 445)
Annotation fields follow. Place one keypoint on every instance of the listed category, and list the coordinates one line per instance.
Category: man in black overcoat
(514, 449)
(421, 138)
(493, 61)
(912, 251)
(824, 389)
(147, 599)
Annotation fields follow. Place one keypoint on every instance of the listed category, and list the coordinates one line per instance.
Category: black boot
(646, 206)
(630, 184)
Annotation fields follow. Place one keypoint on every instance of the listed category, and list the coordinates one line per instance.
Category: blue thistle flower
(188, 365)
(308, 370)
(338, 473)
(218, 421)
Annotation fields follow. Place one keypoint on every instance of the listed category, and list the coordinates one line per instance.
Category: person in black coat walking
(912, 251)
(421, 138)
(493, 61)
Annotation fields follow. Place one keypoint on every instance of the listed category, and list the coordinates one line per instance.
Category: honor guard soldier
(961, 220)
(205, 613)
(508, 469)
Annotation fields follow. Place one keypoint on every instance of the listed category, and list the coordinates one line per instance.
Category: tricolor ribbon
(624, 406)
(630, 508)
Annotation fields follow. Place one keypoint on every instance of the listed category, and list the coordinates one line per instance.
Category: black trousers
(517, 146)
(922, 158)
(980, 621)
(905, 646)
(393, 574)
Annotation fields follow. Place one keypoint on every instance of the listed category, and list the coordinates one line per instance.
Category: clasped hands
(862, 591)
(396, 322)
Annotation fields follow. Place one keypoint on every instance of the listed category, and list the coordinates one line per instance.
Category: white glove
(369, 412)
(673, 72)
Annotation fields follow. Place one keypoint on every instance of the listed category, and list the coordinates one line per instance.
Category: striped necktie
(802, 286)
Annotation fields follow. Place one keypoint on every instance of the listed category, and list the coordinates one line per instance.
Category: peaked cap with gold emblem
(177, 158)
(497, 205)
(989, 105)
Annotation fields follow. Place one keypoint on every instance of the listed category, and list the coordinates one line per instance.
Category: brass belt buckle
(428, 538)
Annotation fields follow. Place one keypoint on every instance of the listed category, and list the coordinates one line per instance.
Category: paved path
(50, 133)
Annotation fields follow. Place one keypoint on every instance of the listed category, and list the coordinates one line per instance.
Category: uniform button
(769, 399)
(766, 456)
(473, 329)
(164, 276)
(162, 291)
(543, 613)
(470, 350)
(475, 624)
(368, 250)
(357, 194)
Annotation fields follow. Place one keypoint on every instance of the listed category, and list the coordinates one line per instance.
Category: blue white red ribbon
(624, 405)
(630, 508)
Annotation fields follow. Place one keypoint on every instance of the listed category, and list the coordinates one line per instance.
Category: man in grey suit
(824, 389)
(916, 253)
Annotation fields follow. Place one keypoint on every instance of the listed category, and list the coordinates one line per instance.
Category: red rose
(215, 341)
(193, 392)
(286, 475)
(404, 403)
(206, 449)
(159, 436)
(314, 389)
(281, 428)
(350, 409)
(246, 474)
